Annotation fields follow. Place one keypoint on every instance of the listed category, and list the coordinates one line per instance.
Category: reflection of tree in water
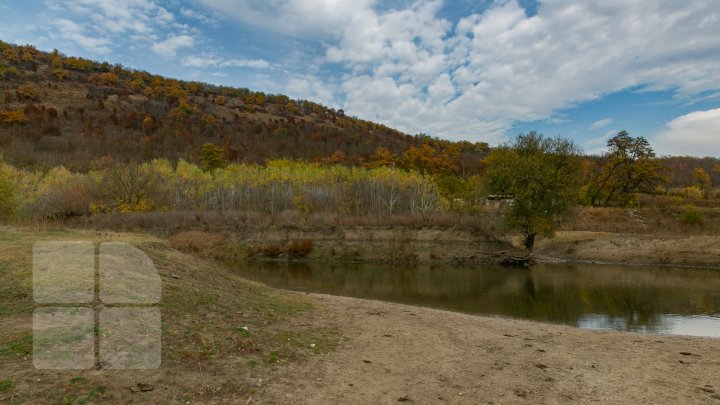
(574, 301)
(617, 297)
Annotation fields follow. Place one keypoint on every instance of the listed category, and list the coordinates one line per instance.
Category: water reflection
(640, 299)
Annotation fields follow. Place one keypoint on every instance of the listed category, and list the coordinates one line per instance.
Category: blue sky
(480, 70)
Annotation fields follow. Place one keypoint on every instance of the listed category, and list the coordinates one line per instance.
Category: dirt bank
(632, 248)
(400, 353)
(438, 244)
(373, 244)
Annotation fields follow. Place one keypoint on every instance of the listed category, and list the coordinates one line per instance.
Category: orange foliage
(16, 116)
(103, 79)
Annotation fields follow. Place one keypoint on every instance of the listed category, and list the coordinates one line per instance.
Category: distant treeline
(271, 189)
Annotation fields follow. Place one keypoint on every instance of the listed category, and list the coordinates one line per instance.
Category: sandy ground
(396, 353)
(632, 248)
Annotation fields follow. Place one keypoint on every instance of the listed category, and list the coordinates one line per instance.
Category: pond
(662, 300)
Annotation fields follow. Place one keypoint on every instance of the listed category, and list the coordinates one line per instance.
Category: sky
(477, 70)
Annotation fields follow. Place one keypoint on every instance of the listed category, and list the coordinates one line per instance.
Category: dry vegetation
(207, 354)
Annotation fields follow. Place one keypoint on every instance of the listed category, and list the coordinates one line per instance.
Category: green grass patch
(273, 358)
(6, 385)
(19, 345)
(77, 379)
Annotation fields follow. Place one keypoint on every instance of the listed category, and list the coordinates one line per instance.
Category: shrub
(16, 116)
(103, 79)
(7, 194)
(27, 92)
(272, 250)
(299, 248)
(66, 198)
(691, 215)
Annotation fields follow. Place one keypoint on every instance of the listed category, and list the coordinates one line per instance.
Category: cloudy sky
(462, 69)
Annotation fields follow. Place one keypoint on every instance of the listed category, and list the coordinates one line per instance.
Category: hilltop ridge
(57, 109)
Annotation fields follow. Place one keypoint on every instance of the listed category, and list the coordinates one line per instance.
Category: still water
(676, 301)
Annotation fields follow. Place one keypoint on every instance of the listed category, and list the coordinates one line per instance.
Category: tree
(382, 157)
(630, 167)
(542, 175)
(130, 187)
(212, 157)
(703, 181)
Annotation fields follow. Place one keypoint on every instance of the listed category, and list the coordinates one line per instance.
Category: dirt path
(396, 353)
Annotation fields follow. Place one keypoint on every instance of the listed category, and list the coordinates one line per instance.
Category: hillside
(65, 110)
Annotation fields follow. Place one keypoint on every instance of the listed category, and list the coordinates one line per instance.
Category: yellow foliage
(27, 92)
(11, 54)
(210, 119)
(144, 205)
(104, 79)
(59, 73)
(16, 116)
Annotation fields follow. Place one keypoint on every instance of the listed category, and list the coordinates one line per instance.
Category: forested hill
(61, 110)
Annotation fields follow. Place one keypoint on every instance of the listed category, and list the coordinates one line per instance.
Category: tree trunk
(530, 241)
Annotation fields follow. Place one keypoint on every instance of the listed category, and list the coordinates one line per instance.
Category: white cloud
(696, 133)
(413, 70)
(601, 123)
(598, 146)
(109, 17)
(103, 26)
(310, 88)
(189, 13)
(205, 61)
(246, 63)
(505, 66)
(75, 33)
(169, 47)
(299, 18)
(202, 61)
(409, 68)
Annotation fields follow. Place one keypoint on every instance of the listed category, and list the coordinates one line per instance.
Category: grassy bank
(207, 354)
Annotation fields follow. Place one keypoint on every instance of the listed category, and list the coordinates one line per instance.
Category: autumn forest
(81, 138)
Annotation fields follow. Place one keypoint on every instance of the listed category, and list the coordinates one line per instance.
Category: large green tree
(630, 167)
(542, 175)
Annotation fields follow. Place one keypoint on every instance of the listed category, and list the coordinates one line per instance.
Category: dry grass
(166, 223)
(207, 354)
(661, 220)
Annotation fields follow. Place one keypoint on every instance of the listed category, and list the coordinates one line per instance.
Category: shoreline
(395, 352)
(432, 244)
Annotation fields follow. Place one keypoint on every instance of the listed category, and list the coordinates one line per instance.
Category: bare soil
(396, 353)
